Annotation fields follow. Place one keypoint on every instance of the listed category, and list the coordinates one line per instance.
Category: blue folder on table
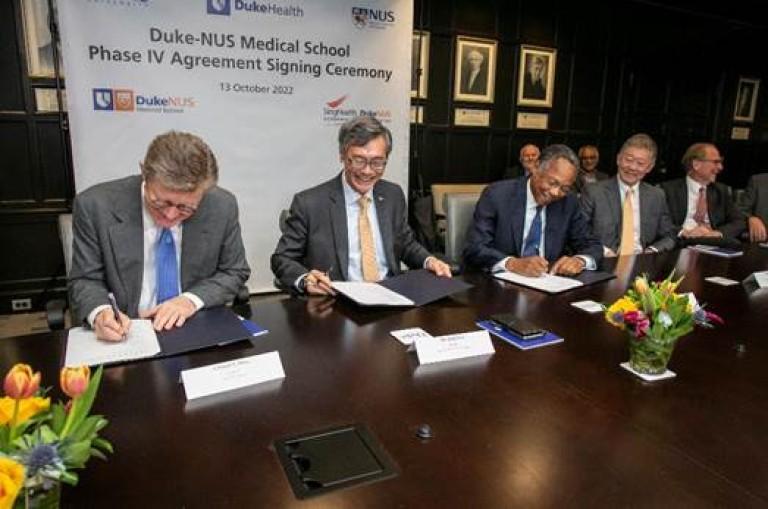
(549, 338)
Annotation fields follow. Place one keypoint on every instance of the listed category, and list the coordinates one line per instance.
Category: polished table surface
(562, 425)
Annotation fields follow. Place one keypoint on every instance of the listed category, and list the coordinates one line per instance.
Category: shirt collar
(693, 186)
(623, 187)
(350, 195)
(530, 201)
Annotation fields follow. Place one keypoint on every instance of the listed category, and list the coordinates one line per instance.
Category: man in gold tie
(353, 227)
(626, 214)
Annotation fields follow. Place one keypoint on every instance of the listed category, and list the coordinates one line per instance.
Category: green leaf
(103, 445)
(81, 405)
(58, 417)
(77, 453)
(97, 453)
(69, 478)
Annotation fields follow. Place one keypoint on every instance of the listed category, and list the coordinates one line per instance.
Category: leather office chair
(438, 192)
(459, 209)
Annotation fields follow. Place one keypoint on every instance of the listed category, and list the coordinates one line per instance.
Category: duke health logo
(220, 7)
(103, 100)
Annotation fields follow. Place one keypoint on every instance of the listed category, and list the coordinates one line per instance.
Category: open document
(371, 294)
(84, 348)
(411, 288)
(546, 282)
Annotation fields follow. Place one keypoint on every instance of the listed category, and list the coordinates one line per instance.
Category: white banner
(265, 83)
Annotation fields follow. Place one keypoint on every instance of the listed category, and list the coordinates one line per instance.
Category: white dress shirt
(355, 268)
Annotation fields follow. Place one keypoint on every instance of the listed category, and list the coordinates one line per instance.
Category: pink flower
(712, 317)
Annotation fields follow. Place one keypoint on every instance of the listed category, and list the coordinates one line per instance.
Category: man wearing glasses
(353, 227)
(165, 243)
(699, 206)
(527, 225)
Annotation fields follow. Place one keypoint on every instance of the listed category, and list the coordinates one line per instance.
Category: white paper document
(408, 336)
(454, 346)
(229, 375)
(589, 306)
(761, 278)
(546, 282)
(719, 280)
(84, 348)
(371, 294)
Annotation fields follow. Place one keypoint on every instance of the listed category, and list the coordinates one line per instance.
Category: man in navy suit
(527, 225)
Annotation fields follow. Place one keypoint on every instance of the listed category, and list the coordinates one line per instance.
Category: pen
(115, 310)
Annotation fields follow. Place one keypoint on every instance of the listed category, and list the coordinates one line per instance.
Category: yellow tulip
(641, 285)
(74, 381)
(21, 382)
(11, 480)
(28, 408)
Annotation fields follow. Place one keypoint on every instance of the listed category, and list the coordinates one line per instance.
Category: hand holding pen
(111, 324)
(319, 283)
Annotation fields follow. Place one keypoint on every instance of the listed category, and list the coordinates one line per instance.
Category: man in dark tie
(533, 225)
(165, 243)
(354, 227)
(699, 206)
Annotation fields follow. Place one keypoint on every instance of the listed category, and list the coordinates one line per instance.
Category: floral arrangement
(41, 443)
(655, 316)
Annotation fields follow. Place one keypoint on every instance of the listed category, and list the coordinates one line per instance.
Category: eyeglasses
(713, 161)
(162, 205)
(358, 163)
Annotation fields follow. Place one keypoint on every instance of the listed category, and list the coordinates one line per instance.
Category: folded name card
(454, 346)
(234, 374)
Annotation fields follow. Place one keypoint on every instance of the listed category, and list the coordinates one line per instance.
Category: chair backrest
(65, 235)
(439, 191)
(459, 209)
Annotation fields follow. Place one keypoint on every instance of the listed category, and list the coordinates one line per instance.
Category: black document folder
(423, 287)
(208, 327)
(590, 277)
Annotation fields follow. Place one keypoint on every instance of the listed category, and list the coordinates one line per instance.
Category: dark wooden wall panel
(11, 89)
(17, 175)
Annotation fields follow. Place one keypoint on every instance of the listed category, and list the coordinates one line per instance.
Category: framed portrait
(38, 37)
(746, 99)
(475, 72)
(536, 76)
(419, 63)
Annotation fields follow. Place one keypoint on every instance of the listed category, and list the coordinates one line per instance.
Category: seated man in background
(525, 225)
(628, 215)
(699, 206)
(529, 159)
(588, 173)
(166, 243)
(353, 227)
(754, 204)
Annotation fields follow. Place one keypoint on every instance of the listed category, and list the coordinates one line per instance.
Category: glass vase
(649, 355)
(38, 497)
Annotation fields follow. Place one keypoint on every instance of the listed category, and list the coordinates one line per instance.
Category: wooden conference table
(557, 426)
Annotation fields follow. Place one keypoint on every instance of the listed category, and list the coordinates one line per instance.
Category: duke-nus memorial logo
(220, 7)
(102, 99)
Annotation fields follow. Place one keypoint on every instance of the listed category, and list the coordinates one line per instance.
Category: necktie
(700, 216)
(627, 245)
(367, 249)
(166, 267)
(532, 242)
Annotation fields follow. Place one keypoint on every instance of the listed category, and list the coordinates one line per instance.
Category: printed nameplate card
(454, 346)
(234, 374)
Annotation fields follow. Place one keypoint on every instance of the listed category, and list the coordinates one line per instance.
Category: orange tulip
(21, 382)
(74, 381)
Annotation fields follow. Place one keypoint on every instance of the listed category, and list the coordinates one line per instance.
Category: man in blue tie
(534, 225)
(165, 243)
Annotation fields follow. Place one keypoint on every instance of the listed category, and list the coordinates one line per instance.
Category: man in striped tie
(164, 243)
(354, 227)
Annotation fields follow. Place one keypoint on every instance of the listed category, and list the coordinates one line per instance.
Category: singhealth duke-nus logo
(220, 7)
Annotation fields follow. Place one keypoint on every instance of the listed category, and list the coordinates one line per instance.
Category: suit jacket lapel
(554, 225)
(519, 203)
(616, 209)
(646, 225)
(383, 214)
(338, 218)
(126, 251)
(713, 205)
(194, 232)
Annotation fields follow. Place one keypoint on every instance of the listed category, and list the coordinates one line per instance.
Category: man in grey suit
(353, 227)
(754, 204)
(628, 215)
(147, 238)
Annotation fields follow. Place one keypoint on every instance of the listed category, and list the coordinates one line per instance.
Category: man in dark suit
(628, 215)
(699, 206)
(589, 157)
(529, 159)
(474, 77)
(353, 227)
(535, 80)
(148, 238)
(526, 225)
(754, 204)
